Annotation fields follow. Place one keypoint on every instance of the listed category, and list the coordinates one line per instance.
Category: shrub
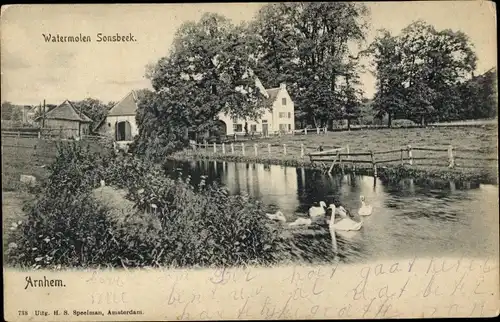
(200, 226)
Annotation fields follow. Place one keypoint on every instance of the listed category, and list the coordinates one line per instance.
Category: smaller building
(120, 123)
(65, 121)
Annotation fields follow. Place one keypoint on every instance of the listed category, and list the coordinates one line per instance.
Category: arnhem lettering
(43, 283)
(81, 38)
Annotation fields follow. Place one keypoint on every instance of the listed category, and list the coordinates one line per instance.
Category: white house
(279, 118)
(120, 122)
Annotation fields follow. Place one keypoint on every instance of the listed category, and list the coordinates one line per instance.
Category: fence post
(325, 130)
(451, 159)
(317, 130)
(242, 148)
(215, 147)
(255, 148)
(284, 149)
(39, 134)
(302, 150)
(340, 162)
(223, 148)
(232, 148)
(348, 152)
(305, 131)
(374, 165)
(410, 155)
(269, 148)
(402, 158)
(206, 145)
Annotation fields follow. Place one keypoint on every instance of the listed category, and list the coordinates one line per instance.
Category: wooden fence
(343, 155)
(20, 138)
(403, 156)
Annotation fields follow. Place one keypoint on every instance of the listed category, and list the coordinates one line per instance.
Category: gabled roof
(67, 111)
(273, 93)
(127, 106)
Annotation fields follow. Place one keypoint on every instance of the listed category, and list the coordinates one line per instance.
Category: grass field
(475, 148)
(30, 156)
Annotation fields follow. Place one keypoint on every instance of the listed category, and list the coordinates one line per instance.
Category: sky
(33, 70)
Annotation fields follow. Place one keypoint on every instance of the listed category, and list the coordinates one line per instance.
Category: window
(109, 124)
(289, 127)
(283, 101)
(237, 127)
(289, 115)
(253, 128)
(282, 115)
(264, 121)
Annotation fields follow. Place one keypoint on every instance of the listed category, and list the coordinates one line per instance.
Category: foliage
(419, 70)
(7, 110)
(208, 71)
(199, 226)
(94, 109)
(306, 45)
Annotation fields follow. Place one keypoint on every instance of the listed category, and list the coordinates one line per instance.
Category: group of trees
(422, 74)
(212, 65)
(95, 109)
(306, 45)
(425, 75)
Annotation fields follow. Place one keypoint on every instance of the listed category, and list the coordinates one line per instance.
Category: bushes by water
(201, 225)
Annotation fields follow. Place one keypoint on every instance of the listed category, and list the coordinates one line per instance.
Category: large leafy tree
(95, 109)
(209, 70)
(387, 58)
(419, 70)
(307, 46)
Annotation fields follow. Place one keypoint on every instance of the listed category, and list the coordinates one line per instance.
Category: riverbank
(386, 172)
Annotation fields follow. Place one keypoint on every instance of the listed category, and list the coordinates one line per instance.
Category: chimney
(283, 86)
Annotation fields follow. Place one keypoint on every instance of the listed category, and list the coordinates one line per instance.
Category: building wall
(66, 128)
(280, 114)
(109, 126)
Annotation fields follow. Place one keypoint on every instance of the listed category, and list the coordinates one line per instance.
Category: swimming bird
(365, 210)
(278, 215)
(317, 211)
(344, 224)
(301, 222)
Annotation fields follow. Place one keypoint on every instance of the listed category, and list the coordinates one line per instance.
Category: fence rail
(341, 156)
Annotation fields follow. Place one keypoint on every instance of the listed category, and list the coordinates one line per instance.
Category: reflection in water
(407, 219)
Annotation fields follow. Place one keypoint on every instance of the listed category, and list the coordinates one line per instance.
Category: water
(407, 220)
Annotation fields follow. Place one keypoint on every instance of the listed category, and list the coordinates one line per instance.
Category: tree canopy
(306, 45)
(419, 70)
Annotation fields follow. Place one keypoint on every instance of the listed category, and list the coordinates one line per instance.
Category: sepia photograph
(236, 161)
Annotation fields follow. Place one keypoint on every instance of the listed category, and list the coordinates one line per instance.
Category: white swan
(365, 210)
(301, 222)
(315, 212)
(277, 216)
(345, 224)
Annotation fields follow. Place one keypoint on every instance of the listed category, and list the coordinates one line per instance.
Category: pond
(408, 219)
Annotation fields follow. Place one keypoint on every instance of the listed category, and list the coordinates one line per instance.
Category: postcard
(242, 161)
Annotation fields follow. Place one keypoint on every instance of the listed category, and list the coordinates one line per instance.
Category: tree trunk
(348, 124)
(315, 122)
(246, 128)
(389, 120)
